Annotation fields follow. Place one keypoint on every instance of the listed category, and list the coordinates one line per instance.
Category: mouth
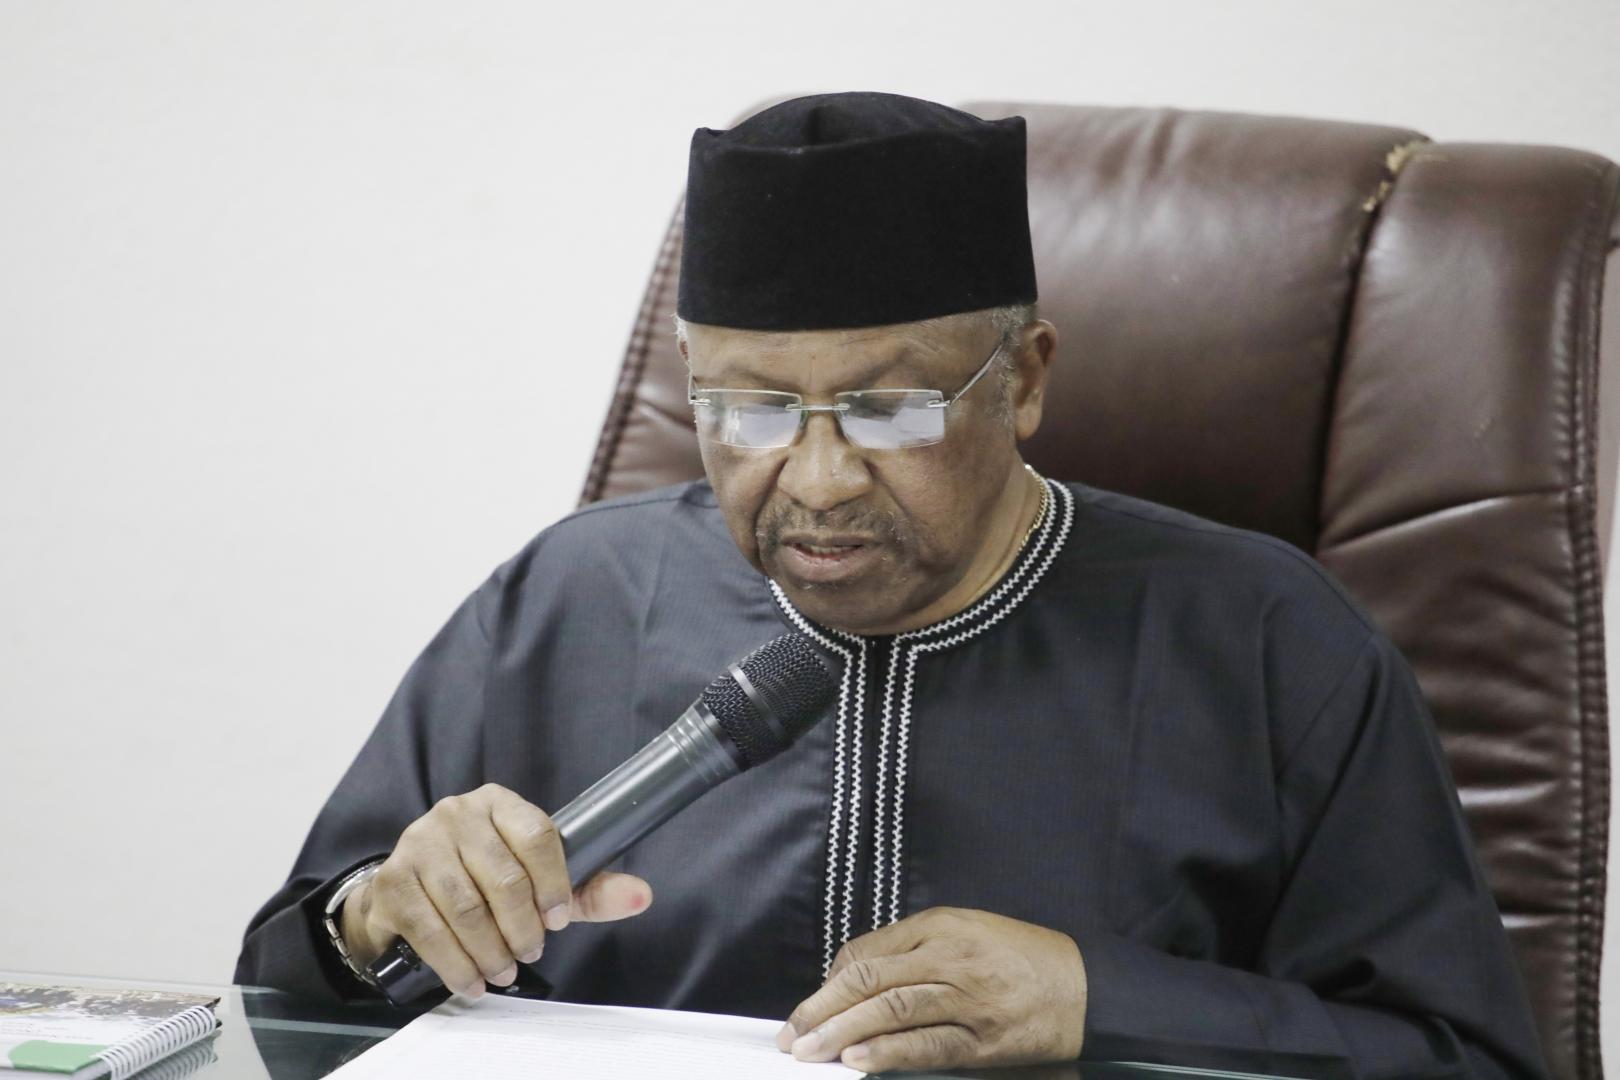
(825, 551)
(827, 559)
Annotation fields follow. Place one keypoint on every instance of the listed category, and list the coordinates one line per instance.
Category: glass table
(270, 1034)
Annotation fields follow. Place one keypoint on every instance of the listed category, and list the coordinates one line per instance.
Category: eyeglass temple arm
(977, 375)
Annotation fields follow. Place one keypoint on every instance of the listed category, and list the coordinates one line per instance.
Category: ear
(1032, 365)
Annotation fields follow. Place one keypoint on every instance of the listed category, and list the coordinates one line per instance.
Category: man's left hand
(946, 988)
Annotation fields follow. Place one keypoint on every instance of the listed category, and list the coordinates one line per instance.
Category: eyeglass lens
(874, 419)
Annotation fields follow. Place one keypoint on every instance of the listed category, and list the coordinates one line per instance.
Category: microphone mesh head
(792, 681)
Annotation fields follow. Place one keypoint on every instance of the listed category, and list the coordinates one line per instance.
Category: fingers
(944, 1046)
(898, 937)
(859, 981)
(404, 908)
(532, 838)
(461, 904)
(967, 988)
(509, 893)
(610, 896)
(898, 1009)
(458, 893)
(474, 884)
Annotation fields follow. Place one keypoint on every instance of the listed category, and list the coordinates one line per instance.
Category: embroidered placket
(894, 720)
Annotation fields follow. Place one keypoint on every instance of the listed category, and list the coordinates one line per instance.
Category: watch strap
(332, 916)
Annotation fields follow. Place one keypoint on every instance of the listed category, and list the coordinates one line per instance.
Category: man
(1103, 780)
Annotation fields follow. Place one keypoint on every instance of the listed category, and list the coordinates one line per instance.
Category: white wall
(309, 312)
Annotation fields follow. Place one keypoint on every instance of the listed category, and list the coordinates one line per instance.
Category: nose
(823, 470)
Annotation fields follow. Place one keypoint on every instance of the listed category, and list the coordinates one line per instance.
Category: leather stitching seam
(635, 363)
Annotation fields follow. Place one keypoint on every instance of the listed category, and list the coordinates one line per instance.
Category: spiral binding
(130, 1056)
(193, 1059)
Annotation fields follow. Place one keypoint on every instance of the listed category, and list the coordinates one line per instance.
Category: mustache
(882, 525)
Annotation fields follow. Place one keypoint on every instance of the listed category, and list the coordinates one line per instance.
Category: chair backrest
(1381, 349)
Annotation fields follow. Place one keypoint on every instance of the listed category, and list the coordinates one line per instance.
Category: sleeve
(428, 744)
(1384, 955)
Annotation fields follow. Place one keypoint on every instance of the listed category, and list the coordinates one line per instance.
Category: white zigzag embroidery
(835, 930)
(889, 837)
(1044, 560)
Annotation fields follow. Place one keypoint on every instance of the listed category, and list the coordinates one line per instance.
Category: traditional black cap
(859, 209)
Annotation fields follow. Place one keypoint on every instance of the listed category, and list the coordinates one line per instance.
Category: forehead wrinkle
(788, 360)
(783, 366)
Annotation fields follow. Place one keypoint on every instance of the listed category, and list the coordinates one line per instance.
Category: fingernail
(532, 955)
(475, 990)
(505, 978)
(855, 1055)
(785, 1037)
(557, 917)
(806, 1045)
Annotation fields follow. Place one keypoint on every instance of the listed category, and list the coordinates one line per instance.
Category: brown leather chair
(1381, 349)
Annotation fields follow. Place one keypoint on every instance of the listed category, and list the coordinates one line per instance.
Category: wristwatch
(334, 914)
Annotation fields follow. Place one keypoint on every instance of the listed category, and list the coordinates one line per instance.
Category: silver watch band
(333, 915)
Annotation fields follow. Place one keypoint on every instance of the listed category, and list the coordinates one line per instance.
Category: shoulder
(607, 547)
(1240, 605)
(615, 520)
(1134, 535)
(626, 522)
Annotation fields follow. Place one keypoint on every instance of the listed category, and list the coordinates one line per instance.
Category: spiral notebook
(85, 1034)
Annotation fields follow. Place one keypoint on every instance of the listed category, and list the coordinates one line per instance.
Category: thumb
(609, 896)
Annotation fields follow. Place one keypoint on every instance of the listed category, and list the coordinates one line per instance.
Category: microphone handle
(688, 758)
(685, 760)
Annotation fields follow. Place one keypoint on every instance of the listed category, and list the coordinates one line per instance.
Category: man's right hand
(473, 885)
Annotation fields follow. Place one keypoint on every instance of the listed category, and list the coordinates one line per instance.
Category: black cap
(856, 209)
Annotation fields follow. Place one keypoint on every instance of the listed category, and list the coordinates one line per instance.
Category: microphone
(749, 714)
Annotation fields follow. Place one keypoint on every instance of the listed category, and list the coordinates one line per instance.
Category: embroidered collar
(1021, 577)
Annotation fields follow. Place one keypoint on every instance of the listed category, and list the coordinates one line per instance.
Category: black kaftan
(1180, 743)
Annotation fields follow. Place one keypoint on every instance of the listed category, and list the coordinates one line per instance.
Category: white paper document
(497, 1037)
